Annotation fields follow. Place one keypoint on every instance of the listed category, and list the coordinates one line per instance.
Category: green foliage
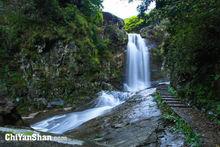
(191, 137)
(133, 23)
(90, 7)
(172, 91)
(31, 71)
(191, 50)
(143, 7)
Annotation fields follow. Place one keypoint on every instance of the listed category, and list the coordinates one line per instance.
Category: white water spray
(137, 66)
(62, 123)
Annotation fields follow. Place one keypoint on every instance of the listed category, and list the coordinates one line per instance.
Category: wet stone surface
(171, 139)
(137, 122)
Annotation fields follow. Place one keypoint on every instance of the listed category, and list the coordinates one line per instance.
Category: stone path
(210, 132)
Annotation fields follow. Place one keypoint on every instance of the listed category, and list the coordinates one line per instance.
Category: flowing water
(137, 66)
(62, 123)
(137, 78)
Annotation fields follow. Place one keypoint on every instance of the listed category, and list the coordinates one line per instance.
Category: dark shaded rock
(155, 36)
(114, 32)
(156, 33)
(110, 19)
(41, 115)
(151, 141)
(56, 103)
(8, 113)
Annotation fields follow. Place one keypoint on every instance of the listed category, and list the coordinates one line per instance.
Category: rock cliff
(70, 70)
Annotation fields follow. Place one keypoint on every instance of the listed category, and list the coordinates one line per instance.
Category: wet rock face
(114, 32)
(51, 73)
(8, 113)
(155, 35)
(136, 122)
(132, 123)
(172, 139)
(70, 71)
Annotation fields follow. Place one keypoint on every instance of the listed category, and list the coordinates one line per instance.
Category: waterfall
(137, 64)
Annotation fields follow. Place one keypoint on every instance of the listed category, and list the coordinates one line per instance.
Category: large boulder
(113, 31)
(8, 113)
(156, 33)
(56, 103)
(110, 19)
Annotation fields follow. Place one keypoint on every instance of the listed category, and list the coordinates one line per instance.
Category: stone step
(174, 102)
(210, 134)
(170, 99)
(165, 97)
(165, 94)
(168, 96)
(178, 105)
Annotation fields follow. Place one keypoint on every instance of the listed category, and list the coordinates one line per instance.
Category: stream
(62, 123)
(119, 118)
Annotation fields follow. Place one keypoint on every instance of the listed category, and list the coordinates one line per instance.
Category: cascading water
(137, 73)
(137, 66)
(62, 123)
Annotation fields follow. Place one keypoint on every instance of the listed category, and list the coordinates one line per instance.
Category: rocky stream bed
(136, 122)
